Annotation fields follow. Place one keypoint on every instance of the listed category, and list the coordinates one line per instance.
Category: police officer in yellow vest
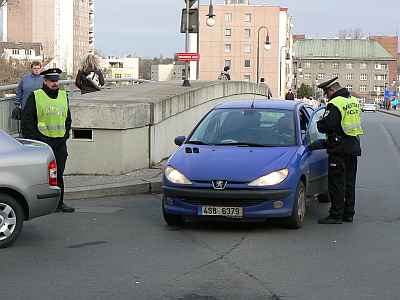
(46, 117)
(342, 125)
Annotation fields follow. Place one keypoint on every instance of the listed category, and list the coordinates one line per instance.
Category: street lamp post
(280, 66)
(267, 46)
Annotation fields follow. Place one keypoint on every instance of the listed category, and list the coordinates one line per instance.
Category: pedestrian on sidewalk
(342, 125)
(394, 103)
(46, 117)
(289, 95)
(26, 86)
(268, 94)
(89, 78)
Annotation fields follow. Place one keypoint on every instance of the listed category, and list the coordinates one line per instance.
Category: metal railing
(7, 102)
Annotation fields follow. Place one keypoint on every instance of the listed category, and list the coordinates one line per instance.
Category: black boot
(65, 208)
(330, 220)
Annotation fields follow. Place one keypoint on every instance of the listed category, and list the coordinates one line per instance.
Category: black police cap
(325, 85)
(52, 74)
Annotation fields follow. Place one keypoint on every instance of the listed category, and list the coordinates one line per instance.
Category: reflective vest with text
(350, 109)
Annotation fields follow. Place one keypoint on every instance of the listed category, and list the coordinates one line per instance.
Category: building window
(228, 17)
(118, 76)
(321, 65)
(335, 66)
(381, 66)
(349, 87)
(349, 66)
(363, 66)
(247, 18)
(307, 76)
(247, 48)
(228, 63)
(334, 75)
(349, 76)
(363, 77)
(247, 63)
(247, 33)
(228, 48)
(15, 51)
(228, 32)
(247, 77)
(307, 65)
(363, 88)
(321, 76)
(381, 77)
(379, 89)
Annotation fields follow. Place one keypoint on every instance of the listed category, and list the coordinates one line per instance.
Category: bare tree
(355, 33)
(2, 2)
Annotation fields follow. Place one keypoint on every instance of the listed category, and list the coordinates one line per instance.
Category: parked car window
(313, 130)
(264, 127)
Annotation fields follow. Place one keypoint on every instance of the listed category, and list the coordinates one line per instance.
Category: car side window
(313, 132)
(304, 121)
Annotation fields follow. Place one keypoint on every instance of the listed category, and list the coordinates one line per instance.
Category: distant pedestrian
(289, 95)
(46, 117)
(225, 74)
(26, 86)
(89, 78)
(268, 93)
(395, 102)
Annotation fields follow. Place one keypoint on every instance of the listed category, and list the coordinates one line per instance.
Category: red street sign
(187, 56)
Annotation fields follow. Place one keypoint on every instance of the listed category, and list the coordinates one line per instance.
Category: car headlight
(175, 176)
(271, 179)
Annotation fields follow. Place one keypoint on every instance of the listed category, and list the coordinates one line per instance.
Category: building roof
(364, 49)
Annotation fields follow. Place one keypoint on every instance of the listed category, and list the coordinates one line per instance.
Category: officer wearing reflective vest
(46, 117)
(342, 125)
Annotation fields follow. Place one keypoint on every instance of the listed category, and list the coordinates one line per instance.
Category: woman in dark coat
(89, 78)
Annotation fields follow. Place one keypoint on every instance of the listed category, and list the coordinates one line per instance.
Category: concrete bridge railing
(117, 131)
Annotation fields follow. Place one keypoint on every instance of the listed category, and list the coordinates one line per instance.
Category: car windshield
(246, 127)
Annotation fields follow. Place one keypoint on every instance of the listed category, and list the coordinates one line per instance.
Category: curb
(389, 113)
(113, 189)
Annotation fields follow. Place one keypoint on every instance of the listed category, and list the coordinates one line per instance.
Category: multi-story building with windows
(120, 67)
(63, 27)
(232, 41)
(361, 65)
(21, 51)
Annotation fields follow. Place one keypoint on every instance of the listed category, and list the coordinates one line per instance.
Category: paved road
(121, 249)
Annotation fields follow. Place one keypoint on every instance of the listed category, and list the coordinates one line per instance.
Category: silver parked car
(28, 184)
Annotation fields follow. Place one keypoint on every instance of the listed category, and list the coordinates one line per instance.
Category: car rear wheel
(296, 220)
(11, 220)
(171, 220)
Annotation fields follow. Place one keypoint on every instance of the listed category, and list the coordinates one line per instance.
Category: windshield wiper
(241, 144)
(197, 143)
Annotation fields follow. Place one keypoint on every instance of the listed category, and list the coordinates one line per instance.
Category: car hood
(241, 164)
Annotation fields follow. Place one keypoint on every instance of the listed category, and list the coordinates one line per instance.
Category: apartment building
(63, 27)
(120, 67)
(362, 65)
(166, 72)
(21, 51)
(240, 29)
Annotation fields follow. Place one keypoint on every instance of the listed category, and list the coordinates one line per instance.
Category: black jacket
(84, 84)
(29, 122)
(330, 124)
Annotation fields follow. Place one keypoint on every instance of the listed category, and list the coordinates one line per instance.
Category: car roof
(267, 104)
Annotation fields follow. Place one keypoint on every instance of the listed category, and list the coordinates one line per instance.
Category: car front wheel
(11, 220)
(296, 220)
(171, 220)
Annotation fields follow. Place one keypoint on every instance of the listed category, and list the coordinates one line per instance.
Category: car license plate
(232, 212)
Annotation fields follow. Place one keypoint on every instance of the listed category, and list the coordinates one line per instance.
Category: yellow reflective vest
(51, 113)
(350, 109)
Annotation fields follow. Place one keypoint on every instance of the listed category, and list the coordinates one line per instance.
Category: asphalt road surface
(120, 248)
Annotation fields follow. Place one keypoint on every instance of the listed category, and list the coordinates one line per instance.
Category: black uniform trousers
(342, 174)
(61, 154)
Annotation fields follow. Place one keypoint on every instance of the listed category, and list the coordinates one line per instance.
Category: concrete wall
(127, 136)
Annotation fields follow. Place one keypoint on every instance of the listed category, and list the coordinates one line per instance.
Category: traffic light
(193, 20)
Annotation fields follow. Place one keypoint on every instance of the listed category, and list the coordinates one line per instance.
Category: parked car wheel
(11, 220)
(171, 220)
(323, 198)
(296, 220)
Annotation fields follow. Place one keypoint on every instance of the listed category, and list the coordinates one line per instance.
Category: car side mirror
(317, 145)
(179, 140)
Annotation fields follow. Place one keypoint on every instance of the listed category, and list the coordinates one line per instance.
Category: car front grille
(223, 202)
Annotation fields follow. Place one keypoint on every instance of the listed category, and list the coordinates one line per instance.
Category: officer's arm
(101, 78)
(18, 97)
(78, 80)
(68, 123)
(331, 122)
(29, 119)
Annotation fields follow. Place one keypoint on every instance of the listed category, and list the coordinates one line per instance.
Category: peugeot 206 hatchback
(247, 160)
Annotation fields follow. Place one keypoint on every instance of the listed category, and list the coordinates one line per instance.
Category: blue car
(247, 159)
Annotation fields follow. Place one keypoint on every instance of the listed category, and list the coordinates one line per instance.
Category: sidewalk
(96, 186)
(390, 112)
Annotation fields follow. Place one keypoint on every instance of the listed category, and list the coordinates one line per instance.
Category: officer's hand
(317, 145)
(16, 113)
